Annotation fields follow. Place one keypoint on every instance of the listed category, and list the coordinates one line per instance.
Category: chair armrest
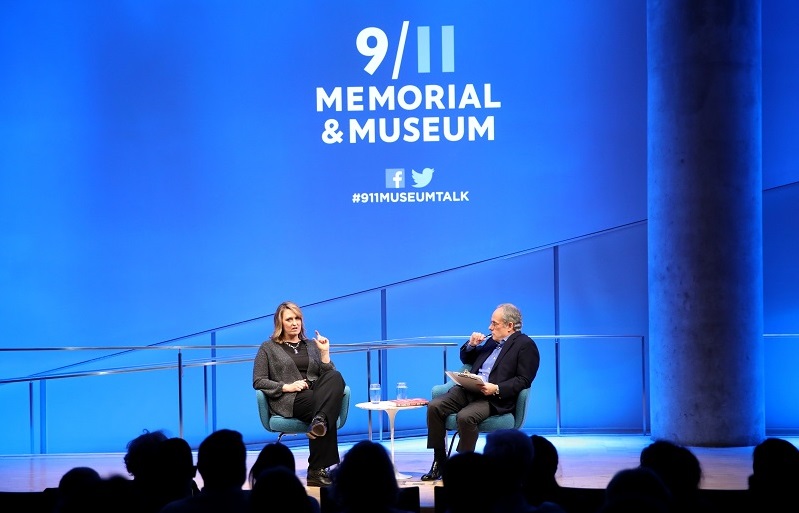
(441, 389)
(345, 407)
(521, 408)
(263, 408)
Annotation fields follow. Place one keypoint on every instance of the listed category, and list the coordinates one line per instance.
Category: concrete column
(705, 222)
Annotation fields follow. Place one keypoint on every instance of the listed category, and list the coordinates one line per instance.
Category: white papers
(467, 380)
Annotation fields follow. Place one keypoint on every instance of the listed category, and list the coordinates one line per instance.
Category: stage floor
(585, 462)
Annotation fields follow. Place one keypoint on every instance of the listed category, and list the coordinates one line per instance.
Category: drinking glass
(402, 390)
(374, 392)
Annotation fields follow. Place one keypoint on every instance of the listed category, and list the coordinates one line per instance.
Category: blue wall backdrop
(171, 167)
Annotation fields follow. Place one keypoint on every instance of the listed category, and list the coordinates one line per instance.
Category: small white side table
(391, 410)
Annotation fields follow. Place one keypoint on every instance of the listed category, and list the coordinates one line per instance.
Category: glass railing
(174, 359)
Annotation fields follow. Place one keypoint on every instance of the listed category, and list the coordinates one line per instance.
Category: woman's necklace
(293, 346)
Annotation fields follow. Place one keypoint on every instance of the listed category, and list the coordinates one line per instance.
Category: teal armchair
(291, 426)
(514, 420)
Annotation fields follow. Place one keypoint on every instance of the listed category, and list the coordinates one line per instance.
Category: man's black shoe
(435, 472)
(318, 477)
(318, 427)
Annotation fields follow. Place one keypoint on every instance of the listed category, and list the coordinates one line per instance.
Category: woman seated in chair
(300, 381)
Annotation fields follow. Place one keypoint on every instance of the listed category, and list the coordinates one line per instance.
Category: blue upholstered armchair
(513, 420)
(290, 426)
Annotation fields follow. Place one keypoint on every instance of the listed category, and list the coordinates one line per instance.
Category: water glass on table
(402, 390)
(374, 392)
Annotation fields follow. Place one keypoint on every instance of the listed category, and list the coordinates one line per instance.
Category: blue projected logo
(373, 42)
(395, 179)
(422, 179)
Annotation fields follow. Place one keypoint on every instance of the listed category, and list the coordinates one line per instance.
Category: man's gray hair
(511, 314)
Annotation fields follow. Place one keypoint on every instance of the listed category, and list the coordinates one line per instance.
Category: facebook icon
(395, 178)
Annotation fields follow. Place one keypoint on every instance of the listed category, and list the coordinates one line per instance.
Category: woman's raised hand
(321, 342)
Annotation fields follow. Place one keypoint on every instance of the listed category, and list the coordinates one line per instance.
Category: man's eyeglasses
(494, 324)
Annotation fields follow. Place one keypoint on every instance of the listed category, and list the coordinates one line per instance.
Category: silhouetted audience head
(222, 464)
(176, 470)
(458, 478)
(677, 466)
(142, 454)
(279, 489)
(775, 475)
(510, 452)
(78, 479)
(545, 460)
(679, 469)
(175, 456)
(775, 458)
(542, 484)
(142, 461)
(77, 489)
(222, 460)
(114, 495)
(272, 455)
(366, 466)
(509, 455)
(636, 490)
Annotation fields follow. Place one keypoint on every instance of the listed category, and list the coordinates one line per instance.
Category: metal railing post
(31, 415)
(180, 393)
(42, 417)
(557, 386)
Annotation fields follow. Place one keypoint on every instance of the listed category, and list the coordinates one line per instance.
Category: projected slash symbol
(400, 50)
(422, 179)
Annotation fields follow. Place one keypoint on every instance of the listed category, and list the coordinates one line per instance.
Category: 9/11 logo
(373, 42)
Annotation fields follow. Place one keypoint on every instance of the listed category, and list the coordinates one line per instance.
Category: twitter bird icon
(422, 179)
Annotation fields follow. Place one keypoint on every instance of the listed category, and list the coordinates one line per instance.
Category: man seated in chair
(507, 361)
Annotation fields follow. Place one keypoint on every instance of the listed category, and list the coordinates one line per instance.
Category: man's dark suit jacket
(514, 370)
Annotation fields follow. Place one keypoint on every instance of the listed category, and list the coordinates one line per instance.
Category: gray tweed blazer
(273, 368)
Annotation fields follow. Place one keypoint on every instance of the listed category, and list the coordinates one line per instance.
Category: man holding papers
(507, 361)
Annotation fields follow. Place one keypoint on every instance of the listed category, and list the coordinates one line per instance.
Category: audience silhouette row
(521, 472)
